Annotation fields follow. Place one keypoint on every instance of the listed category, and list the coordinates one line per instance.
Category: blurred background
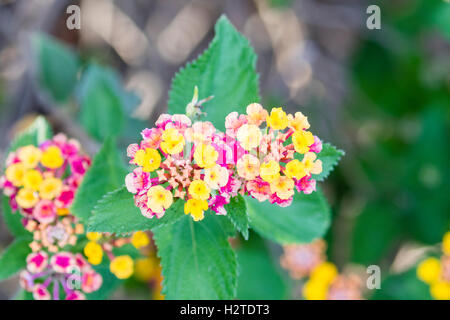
(383, 96)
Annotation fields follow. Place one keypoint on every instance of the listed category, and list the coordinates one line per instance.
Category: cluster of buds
(41, 183)
(204, 167)
(436, 272)
(323, 282)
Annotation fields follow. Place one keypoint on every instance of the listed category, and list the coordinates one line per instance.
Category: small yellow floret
(269, 171)
(295, 169)
(198, 189)
(149, 159)
(29, 156)
(205, 155)
(429, 270)
(32, 179)
(93, 252)
(15, 173)
(196, 208)
(50, 188)
(311, 165)
(93, 236)
(122, 267)
(299, 122)
(277, 119)
(172, 141)
(283, 186)
(249, 136)
(159, 199)
(140, 239)
(52, 158)
(26, 198)
(302, 141)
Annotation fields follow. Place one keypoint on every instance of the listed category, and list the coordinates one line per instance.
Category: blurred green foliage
(401, 109)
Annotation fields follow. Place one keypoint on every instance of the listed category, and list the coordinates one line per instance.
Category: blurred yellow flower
(50, 188)
(94, 252)
(29, 156)
(52, 158)
(140, 239)
(122, 267)
(15, 173)
(26, 198)
(32, 179)
(429, 270)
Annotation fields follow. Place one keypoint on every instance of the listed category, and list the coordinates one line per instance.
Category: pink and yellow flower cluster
(41, 183)
(266, 156)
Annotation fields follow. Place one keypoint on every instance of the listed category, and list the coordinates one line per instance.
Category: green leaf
(237, 213)
(56, 65)
(103, 102)
(259, 277)
(117, 213)
(225, 70)
(404, 286)
(375, 232)
(197, 260)
(13, 220)
(14, 257)
(106, 174)
(330, 156)
(35, 134)
(306, 219)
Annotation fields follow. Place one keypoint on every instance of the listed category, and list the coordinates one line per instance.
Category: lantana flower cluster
(436, 272)
(320, 278)
(41, 183)
(266, 156)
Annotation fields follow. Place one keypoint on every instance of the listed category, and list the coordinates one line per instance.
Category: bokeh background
(383, 96)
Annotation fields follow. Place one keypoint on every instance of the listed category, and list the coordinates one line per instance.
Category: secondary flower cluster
(204, 167)
(41, 183)
(121, 266)
(323, 280)
(436, 272)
